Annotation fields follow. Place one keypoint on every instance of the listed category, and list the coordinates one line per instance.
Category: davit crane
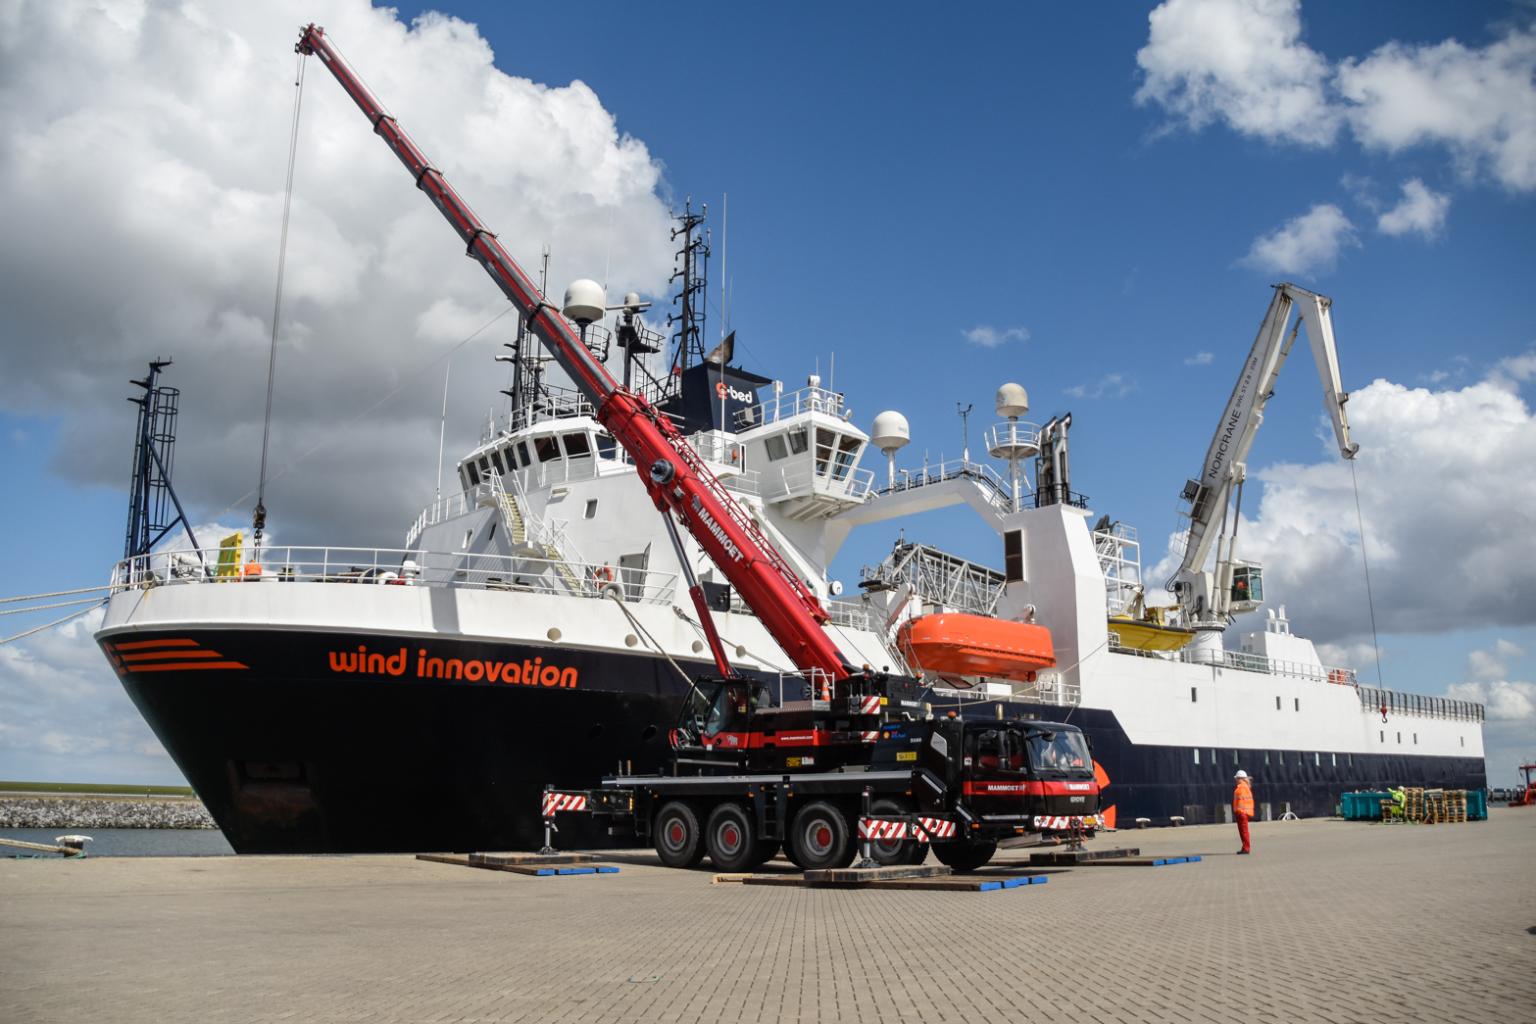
(676, 478)
(1208, 598)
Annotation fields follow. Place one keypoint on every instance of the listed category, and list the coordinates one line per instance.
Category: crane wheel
(964, 857)
(895, 852)
(679, 839)
(819, 838)
(731, 838)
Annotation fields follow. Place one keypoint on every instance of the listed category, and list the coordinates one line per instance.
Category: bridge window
(577, 446)
(524, 457)
(496, 461)
(547, 448)
(797, 441)
(776, 448)
(471, 474)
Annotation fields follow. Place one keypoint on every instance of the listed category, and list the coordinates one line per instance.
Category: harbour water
(131, 842)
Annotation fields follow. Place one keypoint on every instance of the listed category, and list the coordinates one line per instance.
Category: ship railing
(807, 399)
(806, 478)
(277, 565)
(1050, 688)
(449, 507)
(1244, 661)
(853, 613)
(1397, 702)
(998, 492)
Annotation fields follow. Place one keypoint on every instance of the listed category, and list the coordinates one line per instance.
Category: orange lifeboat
(956, 644)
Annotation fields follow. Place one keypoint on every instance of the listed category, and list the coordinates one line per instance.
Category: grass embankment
(102, 788)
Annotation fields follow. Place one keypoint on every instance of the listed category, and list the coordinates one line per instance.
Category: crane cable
(259, 515)
(1370, 600)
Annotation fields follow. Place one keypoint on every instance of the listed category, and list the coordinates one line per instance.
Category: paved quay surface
(1330, 921)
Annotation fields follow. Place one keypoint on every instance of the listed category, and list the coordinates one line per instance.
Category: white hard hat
(1240, 774)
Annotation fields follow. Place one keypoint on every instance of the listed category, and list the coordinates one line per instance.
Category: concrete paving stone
(1332, 922)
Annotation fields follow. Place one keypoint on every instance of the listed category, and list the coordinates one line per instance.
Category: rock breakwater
(85, 813)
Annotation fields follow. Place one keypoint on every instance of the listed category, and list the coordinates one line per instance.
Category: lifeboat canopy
(957, 644)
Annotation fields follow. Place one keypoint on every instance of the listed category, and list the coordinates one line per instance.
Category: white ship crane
(1208, 598)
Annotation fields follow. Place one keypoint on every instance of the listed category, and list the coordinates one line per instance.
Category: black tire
(895, 852)
(767, 849)
(964, 857)
(731, 839)
(819, 837)
(679, 839)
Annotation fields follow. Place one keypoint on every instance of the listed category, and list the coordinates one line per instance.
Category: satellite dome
(585, 301)
(1012, 400)
(631, 298)
(890, 431)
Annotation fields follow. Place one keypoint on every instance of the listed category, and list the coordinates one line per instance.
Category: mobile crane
(1208, 598)
(757, 768)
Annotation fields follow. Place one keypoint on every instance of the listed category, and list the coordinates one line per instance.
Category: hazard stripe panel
(554, 803)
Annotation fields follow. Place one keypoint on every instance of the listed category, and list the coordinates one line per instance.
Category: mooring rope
(50, 625)
(1370, 600)
(57, 593)
(259, 516)
(45, 607)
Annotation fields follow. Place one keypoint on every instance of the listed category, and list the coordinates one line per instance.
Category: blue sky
(900, 177)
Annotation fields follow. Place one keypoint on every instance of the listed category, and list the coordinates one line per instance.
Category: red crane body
(672, 472)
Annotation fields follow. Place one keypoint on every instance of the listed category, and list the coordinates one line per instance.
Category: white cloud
(1506, 701)
(987, 336)
(1310, 242)
(1421, 211)
(64, 716)
(1450, 517)
(1111, 385)
(163, 139)
(1200, 359)
(1241, 62)
(1479, 103)
(1493, 662)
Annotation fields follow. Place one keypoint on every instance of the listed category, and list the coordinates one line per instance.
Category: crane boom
(1225, 466)
(674, 475)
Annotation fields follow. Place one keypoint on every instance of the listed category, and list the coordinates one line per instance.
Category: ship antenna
(442, 428)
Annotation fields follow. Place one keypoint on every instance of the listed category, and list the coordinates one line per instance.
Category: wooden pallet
(525, 863)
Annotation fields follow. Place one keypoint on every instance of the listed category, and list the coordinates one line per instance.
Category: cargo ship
(532, 629)
(542, 624)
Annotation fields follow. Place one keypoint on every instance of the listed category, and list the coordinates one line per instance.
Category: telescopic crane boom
(674, 475)
(1210, 598)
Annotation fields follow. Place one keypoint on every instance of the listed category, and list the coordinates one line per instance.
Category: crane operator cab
(1028, 770)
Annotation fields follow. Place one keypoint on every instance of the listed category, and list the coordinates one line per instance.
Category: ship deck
(1329, 921)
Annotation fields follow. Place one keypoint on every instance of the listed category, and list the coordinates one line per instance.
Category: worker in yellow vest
(1242, 808)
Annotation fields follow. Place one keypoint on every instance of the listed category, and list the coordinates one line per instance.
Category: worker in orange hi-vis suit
(1242, 808)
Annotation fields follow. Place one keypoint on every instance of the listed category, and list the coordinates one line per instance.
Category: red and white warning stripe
(557, 802)
(1062, 821)
(883, 828)
(922, 829)
(869, 736)
(865, 705)
(935, 828)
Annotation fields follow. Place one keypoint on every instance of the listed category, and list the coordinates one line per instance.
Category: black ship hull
(309, 742)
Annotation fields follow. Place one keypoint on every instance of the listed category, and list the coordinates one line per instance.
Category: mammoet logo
(716, 530)
(725, 391)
